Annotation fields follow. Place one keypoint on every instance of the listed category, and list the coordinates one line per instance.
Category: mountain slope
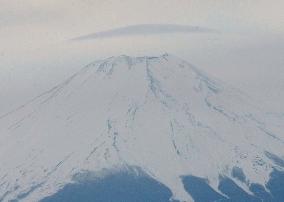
(159, 114)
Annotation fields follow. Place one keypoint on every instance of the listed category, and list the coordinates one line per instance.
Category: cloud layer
(145, 30)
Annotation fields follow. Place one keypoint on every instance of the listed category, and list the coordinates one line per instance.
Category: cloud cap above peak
(145, 30)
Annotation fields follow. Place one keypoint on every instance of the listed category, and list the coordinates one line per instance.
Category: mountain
(129, 125)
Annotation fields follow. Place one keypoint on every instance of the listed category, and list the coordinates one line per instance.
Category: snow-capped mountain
(158, 114)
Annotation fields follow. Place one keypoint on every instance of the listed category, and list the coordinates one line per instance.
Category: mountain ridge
(160, 114)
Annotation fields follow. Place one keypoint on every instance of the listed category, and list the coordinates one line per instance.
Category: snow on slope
(157, 113)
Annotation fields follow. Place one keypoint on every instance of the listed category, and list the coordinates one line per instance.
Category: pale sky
(27, 22)
(36, 51)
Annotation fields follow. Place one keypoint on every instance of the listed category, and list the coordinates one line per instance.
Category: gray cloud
(144, 30)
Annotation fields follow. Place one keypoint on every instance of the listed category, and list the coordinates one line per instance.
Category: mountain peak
(159, 114)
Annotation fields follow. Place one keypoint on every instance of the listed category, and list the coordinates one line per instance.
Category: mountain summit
(158, 115)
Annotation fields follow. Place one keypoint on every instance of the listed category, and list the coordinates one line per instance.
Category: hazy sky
(36, 53)
(32, 23)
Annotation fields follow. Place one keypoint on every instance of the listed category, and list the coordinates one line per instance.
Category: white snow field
(160, 114)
